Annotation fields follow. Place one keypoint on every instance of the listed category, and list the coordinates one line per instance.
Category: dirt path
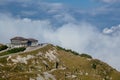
(29, 49)
(4, 50)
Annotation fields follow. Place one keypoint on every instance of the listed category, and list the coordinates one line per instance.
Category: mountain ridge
(54, 63)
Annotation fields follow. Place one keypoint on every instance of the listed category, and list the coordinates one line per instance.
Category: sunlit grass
(84, 68)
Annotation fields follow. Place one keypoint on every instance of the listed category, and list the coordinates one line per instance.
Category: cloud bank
(109, 1)
(79, 36)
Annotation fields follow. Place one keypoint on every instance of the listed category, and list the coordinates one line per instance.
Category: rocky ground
(52, 63)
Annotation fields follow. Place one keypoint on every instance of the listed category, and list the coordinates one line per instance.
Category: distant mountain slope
(54, 63)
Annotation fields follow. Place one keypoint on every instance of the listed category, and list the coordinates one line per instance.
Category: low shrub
(74, 52)
(67, 50)
(3, 47)
(60, 48)
(94, 66)
(15, 50)
(85, 55)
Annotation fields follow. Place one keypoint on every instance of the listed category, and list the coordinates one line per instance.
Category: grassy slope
(79, 64)
(71, 67)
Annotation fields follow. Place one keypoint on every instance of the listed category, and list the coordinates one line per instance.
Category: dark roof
(18, 38)
(22, 38)
(32, 40)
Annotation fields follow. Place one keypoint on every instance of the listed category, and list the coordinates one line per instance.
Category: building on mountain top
(23, 42)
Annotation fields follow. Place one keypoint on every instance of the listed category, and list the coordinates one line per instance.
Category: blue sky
(84, 4)
(86, 26)
(102, 13)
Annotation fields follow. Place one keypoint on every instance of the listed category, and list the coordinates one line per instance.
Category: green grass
(74, 52)
(3, 60)
(85, 55)
(67, 50)
(11, 51)
(73, 64)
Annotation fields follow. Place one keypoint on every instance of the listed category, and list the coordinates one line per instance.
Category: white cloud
(64, 17)
(10, 27)
(79, 36)
(114, 29)
(107, 31)
(52, 8)
(6, 1)
(28, 13)
(109, 1)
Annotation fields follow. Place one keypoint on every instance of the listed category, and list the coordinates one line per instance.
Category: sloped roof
(32, 40)
(18, 38)
(22, 38)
